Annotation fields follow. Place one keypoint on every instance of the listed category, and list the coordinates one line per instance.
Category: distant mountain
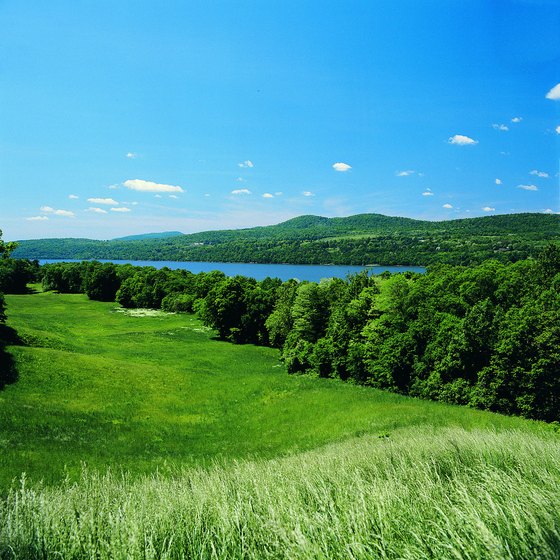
(160, 235)
(359, 239)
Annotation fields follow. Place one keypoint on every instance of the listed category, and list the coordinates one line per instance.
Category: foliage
(355, 240)
(104, 386)
(484, 336)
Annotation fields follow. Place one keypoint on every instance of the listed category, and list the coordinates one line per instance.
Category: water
(311, 272)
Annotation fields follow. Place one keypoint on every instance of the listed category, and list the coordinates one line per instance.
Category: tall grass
(421, 493)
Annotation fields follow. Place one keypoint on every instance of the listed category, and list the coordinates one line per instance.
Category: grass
(444, 493)
(154, 440)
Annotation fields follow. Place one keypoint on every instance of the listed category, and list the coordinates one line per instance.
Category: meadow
(143, 436)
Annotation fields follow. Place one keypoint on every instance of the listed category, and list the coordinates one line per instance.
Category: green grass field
(154, 440)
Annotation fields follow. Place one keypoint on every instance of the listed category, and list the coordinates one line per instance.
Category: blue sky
(137, 116)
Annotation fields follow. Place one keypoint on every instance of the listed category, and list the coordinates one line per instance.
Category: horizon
(279, 223)
(125, 120)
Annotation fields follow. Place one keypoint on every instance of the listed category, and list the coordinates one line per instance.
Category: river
(311, 272)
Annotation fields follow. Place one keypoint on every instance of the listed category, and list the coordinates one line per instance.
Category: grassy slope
(106, 388)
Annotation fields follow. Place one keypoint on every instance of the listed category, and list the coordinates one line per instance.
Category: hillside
(155, 440)
(158, 235)
(357, 240)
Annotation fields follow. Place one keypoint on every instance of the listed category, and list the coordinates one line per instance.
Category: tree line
(486, 336)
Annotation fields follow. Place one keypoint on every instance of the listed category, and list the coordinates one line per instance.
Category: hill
(160, 235)
(154, 440)
(357, 240)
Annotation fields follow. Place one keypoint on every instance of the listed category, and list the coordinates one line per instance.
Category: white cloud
(447, 205)
(37, 218)
(554, 93)
(557, 129)
(537, 173)
(500, 127)
(173, 196)
(97, 210)
(267, 195)
(405, 173)
(278, 193)
(113, 187)
(73, 196)
(108, 201)
(240, 180)
(51, 210)
(157, 196)
(528, 187)
(488, 209)
(120, 209)
(547, 211)
(516, 119)
(240, 191)
(149, 186)
(245, 164)
(428, 192)
(498, 181)
(461, 140)
(307, 193)
(131, 155)
(341, 166)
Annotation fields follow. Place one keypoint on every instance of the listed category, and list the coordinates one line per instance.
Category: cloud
(498, 181)
(554, 93)
(307, 193)
(113, 187)
(108, 201)
(240, 180)
(547, 211)
(267, 195)
(37, 218)
(149, 186)
(50, 210)
(528, 187)
(97, 210)
(131, 155)
(557, 129)
(500, 127)
(157, 196)
(461, 140)
(488, 209)
(538, 173)
(405, 173)
(278, 193)
(340, 166)
(428, 192)
(173, 196)
(245, 164)
(240, 191)
(447, 205)
(120, 209)
(516, 119)
(73, 197)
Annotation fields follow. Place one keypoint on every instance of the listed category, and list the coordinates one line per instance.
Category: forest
(486, 336)
(355, 240)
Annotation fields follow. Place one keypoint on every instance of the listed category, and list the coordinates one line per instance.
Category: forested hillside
(355, 240)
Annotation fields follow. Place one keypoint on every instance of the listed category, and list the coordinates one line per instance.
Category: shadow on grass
(8, 371)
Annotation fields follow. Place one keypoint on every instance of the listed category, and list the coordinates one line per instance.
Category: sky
(127, 117)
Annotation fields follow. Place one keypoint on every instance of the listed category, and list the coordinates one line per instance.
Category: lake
(311, 272)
